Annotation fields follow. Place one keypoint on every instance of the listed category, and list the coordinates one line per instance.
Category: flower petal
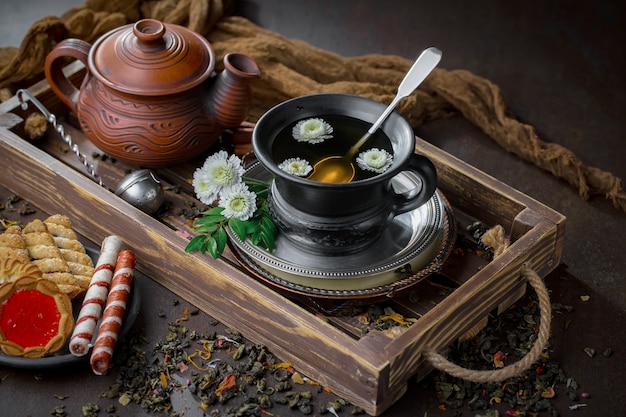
(313, 130)
(375, 160)
(238, 202)
(218, 171)
(296, 166)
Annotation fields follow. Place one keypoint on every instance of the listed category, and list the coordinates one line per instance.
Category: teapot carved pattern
(150, 95)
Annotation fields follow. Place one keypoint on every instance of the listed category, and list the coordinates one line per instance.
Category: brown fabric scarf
(293, 68)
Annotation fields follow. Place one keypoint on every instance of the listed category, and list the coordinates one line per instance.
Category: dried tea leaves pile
(215, 374)
(506, 339)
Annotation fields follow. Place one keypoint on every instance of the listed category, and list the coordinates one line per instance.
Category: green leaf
(211, 219)
(269, 240)
(255, 238)
(221, 238)
(212, 247)
(263, 210)
(268, 226)
(214, 211)
(238, 227)
(268, 232)
(252, 227)
(208, 228)
(195, 244)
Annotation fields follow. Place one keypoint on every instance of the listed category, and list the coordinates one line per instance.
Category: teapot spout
(229, 97)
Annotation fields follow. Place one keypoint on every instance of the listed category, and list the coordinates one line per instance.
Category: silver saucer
(414, 246)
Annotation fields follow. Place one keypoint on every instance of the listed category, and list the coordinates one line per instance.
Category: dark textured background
(560, 65)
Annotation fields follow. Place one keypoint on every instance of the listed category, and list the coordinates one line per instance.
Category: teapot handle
(424, 181)
(60, 85)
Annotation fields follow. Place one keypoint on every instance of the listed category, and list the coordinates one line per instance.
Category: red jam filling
(29, 318)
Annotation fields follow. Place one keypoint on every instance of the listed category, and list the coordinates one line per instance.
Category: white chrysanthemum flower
(224, 170)
(219, 171)
(312, 130)
(296, 166)
(238, 202)
(205, 191)
(375, 160)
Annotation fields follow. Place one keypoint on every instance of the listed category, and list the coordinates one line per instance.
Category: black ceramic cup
(338, 219)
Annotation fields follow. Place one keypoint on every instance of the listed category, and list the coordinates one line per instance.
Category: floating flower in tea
(238, 202)
(313, 130)
(300, 141)
(219, 171)
(375, 160)
(296, 166)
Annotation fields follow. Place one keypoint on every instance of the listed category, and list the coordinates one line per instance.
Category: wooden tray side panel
(479, 194)
(469, 304)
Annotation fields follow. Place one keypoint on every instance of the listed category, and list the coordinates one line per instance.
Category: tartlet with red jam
(35, 316)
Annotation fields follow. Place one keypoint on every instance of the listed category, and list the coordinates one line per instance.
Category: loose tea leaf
(90, 410)
(590, 352)
(59, 411)
(508, 336)
(223, 370)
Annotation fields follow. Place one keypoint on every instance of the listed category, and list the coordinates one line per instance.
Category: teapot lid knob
(149, 32)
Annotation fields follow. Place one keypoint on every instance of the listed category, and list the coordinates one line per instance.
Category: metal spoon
(140, 188)
(340, 169)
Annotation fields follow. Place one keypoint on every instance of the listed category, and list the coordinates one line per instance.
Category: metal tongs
(140, 188)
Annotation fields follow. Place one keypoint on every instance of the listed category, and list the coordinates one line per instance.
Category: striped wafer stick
(113, 314)
(95, 296)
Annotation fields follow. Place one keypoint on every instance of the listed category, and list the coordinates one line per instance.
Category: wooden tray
(367, 367)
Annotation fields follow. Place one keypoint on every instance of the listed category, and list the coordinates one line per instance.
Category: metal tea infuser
(140, 188)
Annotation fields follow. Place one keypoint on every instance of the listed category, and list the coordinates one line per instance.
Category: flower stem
(254, 181)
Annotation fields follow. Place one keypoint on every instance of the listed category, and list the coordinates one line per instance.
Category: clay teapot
(150, 95)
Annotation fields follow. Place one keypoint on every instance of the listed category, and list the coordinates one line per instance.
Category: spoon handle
(421, 68)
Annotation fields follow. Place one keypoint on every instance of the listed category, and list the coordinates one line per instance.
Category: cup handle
(424, 180)
(53, 69)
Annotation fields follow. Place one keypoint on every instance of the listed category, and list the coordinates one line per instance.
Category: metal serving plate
(411, 248)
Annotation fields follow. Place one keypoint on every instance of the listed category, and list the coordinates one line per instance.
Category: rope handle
(441, 363)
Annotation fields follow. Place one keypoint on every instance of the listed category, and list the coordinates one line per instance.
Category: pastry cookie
(35, 317)
(72, 251)
(12, 268)
(45, 254)
(12, 245)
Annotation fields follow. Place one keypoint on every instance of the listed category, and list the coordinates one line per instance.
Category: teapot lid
(152, 58)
